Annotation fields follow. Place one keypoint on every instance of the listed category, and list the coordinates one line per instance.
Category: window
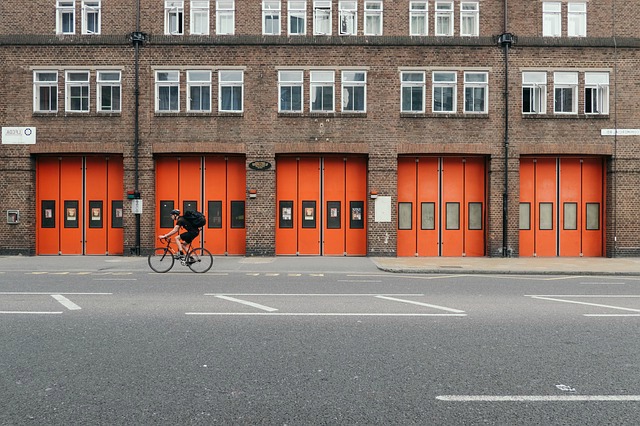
(577, 19)
(354, 91)
(77, 91)
(109, 87)
(475, 92)
(372, 18)
(321, 17)
(199, 17)
(199, 91)
(565, 92)
(66, 17)
(534, 92)
(90, 17)
(173, 17)
(271, 17)
(290, 88)
(297, 17)
(469, 19)
(322, 91)
(348, 18)
(551, 26)
(231, 84)
(596, 93)
(225, 17)
(412, 91)
(444, 18)
(167, 91)
(444, 91)
(45, 91)
(418, 18)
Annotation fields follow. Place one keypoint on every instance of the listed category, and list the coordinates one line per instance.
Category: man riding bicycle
(186, 237)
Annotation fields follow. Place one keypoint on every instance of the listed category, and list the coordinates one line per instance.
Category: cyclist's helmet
(176, 212)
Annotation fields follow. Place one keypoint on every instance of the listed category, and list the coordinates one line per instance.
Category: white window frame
(110, 80)
(577, 19)
(77, 80)
(476, 82)
(536, 83)
(321, 81)
(597, 83)
(348, 17)
(354, 79)
(438, 83)
(200, 80)
(551, 19)
(469, 17)
(444, 14)
(234, 80)
(322, 17)
(50, 85)
(297, 10)
(91, 9)
(373, 17)
(168, 79)
(65, 12)
(565, 82)
(199, 21)
(225, 17)
(271, 13)
(174, 17)
(409, 81)
(419, 18)
(290, 79)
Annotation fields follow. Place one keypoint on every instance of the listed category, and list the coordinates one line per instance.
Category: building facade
(322, 127)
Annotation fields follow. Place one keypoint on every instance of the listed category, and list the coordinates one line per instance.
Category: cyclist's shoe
(179, 256)
(191, 261)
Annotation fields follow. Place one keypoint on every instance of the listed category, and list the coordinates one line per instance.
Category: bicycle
(198, 259)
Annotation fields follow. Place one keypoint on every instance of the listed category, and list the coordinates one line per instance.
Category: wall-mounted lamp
(253, 193)
(374, 194)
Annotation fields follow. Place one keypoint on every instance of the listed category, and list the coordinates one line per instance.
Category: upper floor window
(167, 91)
(271, 17)
(290, 85)
(418, 18)
(348, 19)
(412, 91)
(297, 22)
(321, 17)
(109, 88)
(372, 18)
(77, 91)
(551, 19)
(444, 18)
(230, 90)
(45, 91)
(354, 91)
(91, 16)
(199, 17)
(66, 17)
(565, 92)
(475, 92)
(534, 92)
(577, 19)
(469, 19)
(322, 93)
(225, 17)
(199, 91)
(596, 93)
(174, 17)
(444, 91)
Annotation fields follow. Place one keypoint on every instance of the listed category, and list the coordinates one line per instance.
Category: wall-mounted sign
(260, 165)
(19, 135)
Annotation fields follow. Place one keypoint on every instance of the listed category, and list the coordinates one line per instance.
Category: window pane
(525, 216)
(570, 216)
(475, 216)
(546, 216)
(453, 215)
(428, 216)
(404, 215)
(593, 216)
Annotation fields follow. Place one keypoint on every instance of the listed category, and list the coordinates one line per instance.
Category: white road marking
(585, 303)
(312, 294)
(611, 315)
(421, 304)
(66, 302)
(537, 398)
(27, 312)
(115, 279)
(359, 281)
(321, 314)
(52, 292)
(246, 302)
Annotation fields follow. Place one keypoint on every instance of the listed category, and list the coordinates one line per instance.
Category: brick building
(322, 127)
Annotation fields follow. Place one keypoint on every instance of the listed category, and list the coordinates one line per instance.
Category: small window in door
(546, 216)
(428, 216)
(404, 216)
(525, 216)
(453, 216)
(593, 216)
(475, 216)
(570, 216)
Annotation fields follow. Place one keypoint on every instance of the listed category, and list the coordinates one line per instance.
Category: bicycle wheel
(161, 260)
(199, 260)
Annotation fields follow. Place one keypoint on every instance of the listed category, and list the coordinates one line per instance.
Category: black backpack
(195, 218)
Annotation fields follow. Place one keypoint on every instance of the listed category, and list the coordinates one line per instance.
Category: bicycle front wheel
(161, 260)
(199, 260)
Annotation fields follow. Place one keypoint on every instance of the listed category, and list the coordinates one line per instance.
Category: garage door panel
(336, 209)
(428, 207)
(72, 213)
(236, 194)
(452, 207)
(96, 206)
(48, 210)
(474, 229)
(407, 186)
(309, 206)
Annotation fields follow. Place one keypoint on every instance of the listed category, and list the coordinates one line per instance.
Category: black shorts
(188, 236)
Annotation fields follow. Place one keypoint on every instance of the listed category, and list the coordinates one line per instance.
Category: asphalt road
(305, 347)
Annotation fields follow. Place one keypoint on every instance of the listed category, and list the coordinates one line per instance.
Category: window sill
(197, 114)
(444, 115)
(322, 115)
(565, 116)
(76, 114)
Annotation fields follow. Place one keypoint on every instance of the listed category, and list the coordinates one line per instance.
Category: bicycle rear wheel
(161, 260)
(199, 260)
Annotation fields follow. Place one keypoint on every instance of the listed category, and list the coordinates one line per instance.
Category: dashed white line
(30, 312)
(421, 304)
(585, 303)
(320, 314)
(246, 302)
(538, 398)
(66, 302)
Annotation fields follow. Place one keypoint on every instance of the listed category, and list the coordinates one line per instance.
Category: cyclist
(186, 237)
